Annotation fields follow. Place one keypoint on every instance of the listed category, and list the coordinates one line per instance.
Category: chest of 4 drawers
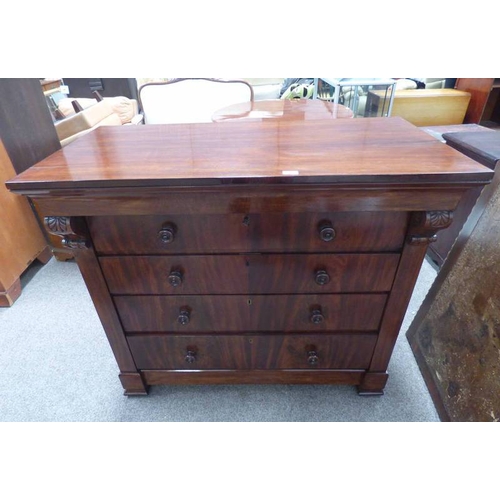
(250, 276)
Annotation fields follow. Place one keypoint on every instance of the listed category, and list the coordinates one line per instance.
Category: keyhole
(249, 302)
(246, 220)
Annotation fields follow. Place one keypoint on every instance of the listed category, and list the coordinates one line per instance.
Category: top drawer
(205, 234)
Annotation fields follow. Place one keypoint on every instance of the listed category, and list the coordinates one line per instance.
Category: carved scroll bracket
(72, 229)
(425, 225)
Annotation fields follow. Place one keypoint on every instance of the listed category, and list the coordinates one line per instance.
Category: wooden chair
(190, 100)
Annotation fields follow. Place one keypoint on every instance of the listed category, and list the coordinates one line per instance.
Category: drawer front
(205, 234)
(229, 274)
(250, 313)
(252, 352)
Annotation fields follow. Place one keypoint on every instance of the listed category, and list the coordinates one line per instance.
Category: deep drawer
(253, 352)
(275, 232)
(251, 313)
(243, 274)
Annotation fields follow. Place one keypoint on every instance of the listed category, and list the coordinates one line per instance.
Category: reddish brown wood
(421, 231)
(9, 296)
(439, 249)
(238, 313)
(307, 239)
(178, 377)
(243, 274)
(251, 352)
(212, 154)
(133, 383)
(76, 106)
(242, 200)
(480, 89)
(45, 255)
(373, 384)
(250, 232)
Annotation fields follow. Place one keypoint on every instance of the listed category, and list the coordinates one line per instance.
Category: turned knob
(167, 233)
(326, 231)
(190, 356)
(175, 278)
(317, 316)
(322, 277)
(183, 317)
(312, 357)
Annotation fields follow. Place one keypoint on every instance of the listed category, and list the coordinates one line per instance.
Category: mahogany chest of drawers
(272, 252)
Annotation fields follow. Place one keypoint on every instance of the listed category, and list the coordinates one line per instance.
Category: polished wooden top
(357, 151)
(283, 109)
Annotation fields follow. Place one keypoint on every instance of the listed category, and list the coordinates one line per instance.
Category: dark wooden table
(439, 250)
(252, 252)
(283, 109)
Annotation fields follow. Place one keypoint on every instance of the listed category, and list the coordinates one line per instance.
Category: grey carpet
(56, 365)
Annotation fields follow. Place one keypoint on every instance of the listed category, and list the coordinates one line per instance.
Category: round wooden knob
(167, 233)
(317, 316)
(326, 231)
(175, 278)
(312, 358)
(183, 317)
(322, 277)
(190, 356)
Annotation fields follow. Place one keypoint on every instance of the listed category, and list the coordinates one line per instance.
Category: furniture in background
(283, 109)
(53, 91)
(264, 88)
(190, 100)
(352, 92)
(454, 335)
(485, 102)
(92, 114)
(107, 87)
(27, 132)
(439, 249)
(21, 238)
(257, 252)
(26, 127)
(426, 107)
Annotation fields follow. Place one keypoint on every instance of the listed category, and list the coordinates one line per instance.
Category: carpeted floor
(56, 365)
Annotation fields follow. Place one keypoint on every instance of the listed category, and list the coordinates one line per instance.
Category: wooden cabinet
(27, 131)
(252, 252)
(22, 239)
(484, 106)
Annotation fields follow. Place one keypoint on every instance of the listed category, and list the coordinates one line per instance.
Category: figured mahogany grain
(249, 232)
(254, 274)
(253, 352)
(258, 313)
(254, 188)
(181, 377)
(372, 150)
(242, 200)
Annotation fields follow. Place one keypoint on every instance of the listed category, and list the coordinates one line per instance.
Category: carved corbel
(72, 229)
(425, 225)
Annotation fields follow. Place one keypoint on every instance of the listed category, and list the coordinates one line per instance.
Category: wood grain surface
(253, 352)
(243, 274)
(249, 232)
(252, 313)
(21, 239)
(371, 150)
